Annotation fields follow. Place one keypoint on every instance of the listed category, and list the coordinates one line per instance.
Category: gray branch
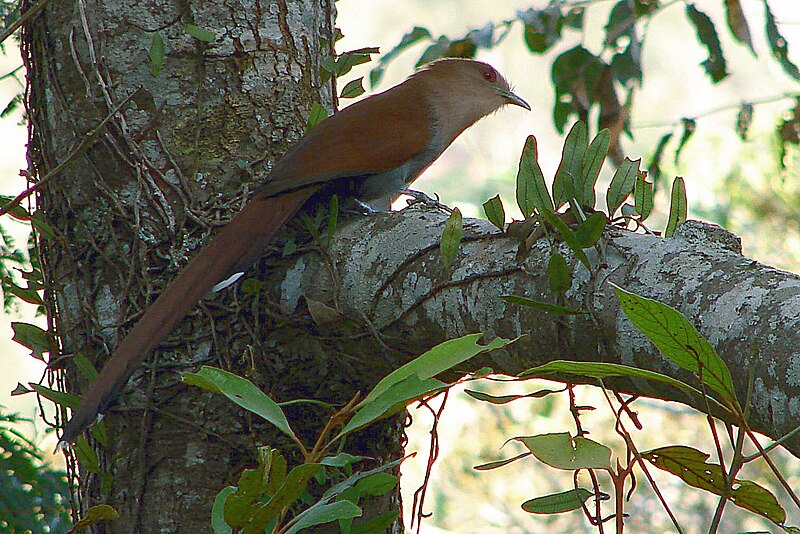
(386, 269)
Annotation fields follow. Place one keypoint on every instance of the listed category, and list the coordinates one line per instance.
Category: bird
(371, 150)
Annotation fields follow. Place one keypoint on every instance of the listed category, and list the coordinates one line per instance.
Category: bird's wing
(367, 138)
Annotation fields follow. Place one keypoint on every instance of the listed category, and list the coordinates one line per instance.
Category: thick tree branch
(386, 268)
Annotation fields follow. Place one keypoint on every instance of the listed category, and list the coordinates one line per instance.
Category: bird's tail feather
(236, 245)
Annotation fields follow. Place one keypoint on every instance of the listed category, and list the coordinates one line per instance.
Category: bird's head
(464, 91)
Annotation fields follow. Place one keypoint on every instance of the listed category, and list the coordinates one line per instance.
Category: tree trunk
(205, 120)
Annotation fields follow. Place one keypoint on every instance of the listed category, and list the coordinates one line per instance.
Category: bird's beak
(511, 98)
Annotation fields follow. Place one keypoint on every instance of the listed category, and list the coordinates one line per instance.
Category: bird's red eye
(490, 75)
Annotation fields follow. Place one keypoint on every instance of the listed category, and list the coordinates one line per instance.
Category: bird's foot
(418, 197)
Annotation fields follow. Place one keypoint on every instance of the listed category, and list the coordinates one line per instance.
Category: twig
(25, 17)
(88, 139)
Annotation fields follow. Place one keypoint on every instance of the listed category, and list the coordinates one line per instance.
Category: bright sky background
(675, 86)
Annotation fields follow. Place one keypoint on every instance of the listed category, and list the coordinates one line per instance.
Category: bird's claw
(418, 197)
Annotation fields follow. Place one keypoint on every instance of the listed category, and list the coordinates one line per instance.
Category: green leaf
(690, 465)
(557, 503)
(621, 185)
(347, 60)
(569, 170)
(70, 400)
(689, 127)
(562, 451)
(353, 88)
(291, 489)
(654, 168)
(532, 191)
(500, 463)
(542, 306)
(379, 523)
(505, 399)
(679, 341)
(493, 208)
(200, 33)
(32, 337)
(28, 294)
(218, 524)
(778, 44)
(86, 369)
(156, 54)
(715, 65)
(620, 23)
(677, 207)
(743, 120)
(342, 459)
(376, 484)
(558, 274)
(415, 379)
(568, 236)
(316, 115)
(590, 230)
(542, 27)
(440, 358)
(450, 243)
(242, 392)
(604, 370)
(324, 513)
(415, 35)
(643, 196)
(737, 23)
(592, 163)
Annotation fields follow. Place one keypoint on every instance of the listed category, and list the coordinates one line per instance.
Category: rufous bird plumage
(373, 149)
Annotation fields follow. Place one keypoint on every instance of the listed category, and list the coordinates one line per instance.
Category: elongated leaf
(690, 465)
(677, 207)
(532, 191)
(353, 88)
(558, 274)
(316, 115)
(621, 185)
(543, 306)
(32, 337)
(495, 212)
(199, 33)
(505, 399)
(450, 243)
(291, 489)
(743, 120)
(715, 65)
(156, 54)
(557, 503)
(567, 179)
(590, 230)
(737, 23)
(440, 358)
(604, 370)
(218, 524)
(592, 163)
(500, 463)
(679, 341)
(654, 168)
(689, 127)
(778, 44)
(414, 380)
(324, 513)
(242, 392)
(562, 451)
(70, 400)
(643, 196)
(568, 236)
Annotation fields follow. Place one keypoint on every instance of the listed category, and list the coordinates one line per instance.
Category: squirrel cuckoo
(372, 149)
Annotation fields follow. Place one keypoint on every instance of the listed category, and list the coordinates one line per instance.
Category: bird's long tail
(236, 245)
